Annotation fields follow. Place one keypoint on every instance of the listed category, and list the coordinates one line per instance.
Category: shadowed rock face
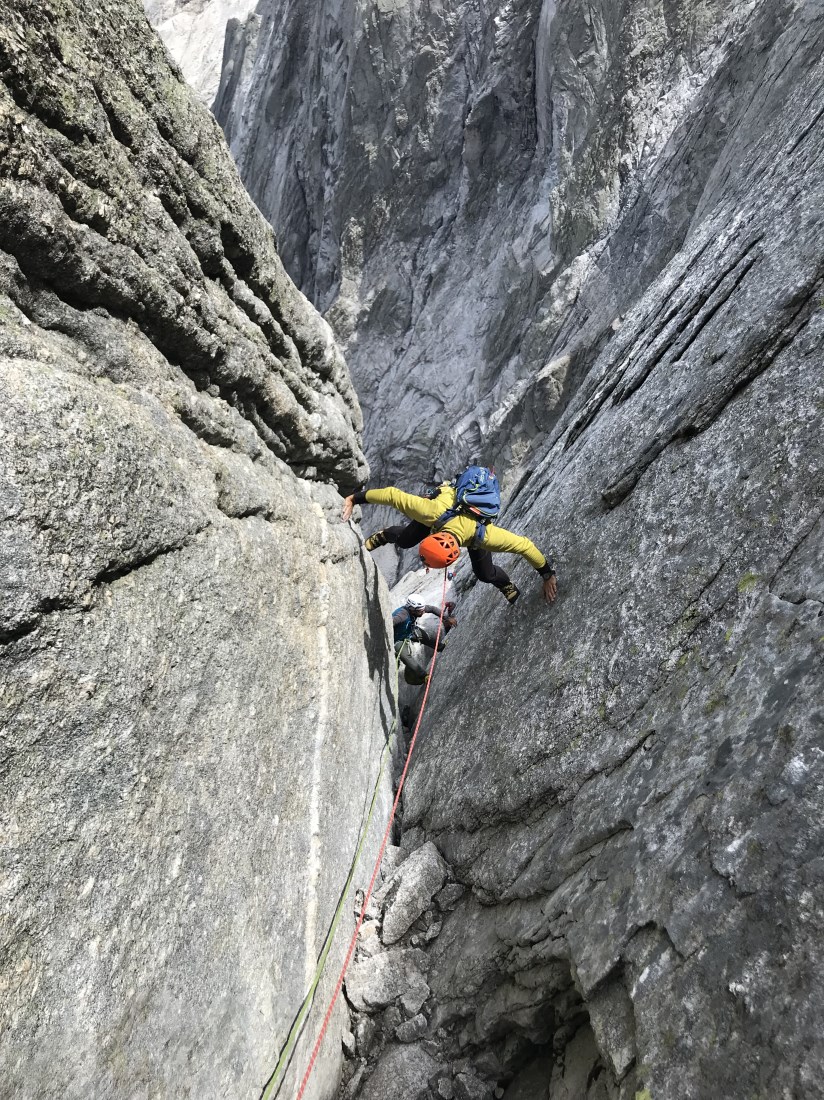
(589, 241)
(473, 196)
(194, 672)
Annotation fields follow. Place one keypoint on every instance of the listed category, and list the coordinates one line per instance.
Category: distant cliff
(194, 32)
(474, 198)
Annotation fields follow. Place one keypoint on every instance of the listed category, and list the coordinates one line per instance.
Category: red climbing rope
(350, 952)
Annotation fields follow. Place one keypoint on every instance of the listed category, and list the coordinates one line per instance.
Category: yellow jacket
(427, 509)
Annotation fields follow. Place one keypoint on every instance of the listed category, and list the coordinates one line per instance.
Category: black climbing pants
(407, 535)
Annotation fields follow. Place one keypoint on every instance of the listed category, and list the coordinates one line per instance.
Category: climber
(410, 636)
(441, 547)
(405, 620)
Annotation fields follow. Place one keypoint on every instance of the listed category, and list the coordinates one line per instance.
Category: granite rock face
(588, 241)
(634, 790)
(194, 670)
(473, 196)
(409, 892)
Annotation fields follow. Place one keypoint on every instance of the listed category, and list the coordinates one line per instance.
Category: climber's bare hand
(348, 506)
(550, 588)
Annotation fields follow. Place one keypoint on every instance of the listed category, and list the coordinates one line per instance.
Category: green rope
(303, 1011)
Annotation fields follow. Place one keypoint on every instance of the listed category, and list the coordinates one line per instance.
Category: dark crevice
(32, 101)
(785, 561)
(698, 619)
(236, 252)
(644, 744)
(280, 433)
(213, 434)
(648, 332)
(268, 323)
(800, 602)
(49, 606)
(15, 633)
(260, 511)
(115, 572)
(120, 132)
(590, 844)
(717, 297)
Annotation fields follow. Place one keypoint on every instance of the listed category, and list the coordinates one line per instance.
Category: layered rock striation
(586, 241)
(629, 784)
(473, 197)
(194, 671)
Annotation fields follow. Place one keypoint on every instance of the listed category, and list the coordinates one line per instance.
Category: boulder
(402, 1073)
(409, 892)
(373, 983)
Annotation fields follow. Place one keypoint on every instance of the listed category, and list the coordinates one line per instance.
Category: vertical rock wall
(473, 196)
(630, 783)
(586, 242)
(195, 682)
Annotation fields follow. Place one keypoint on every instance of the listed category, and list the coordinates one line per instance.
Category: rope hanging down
(351, 950)
(271, 1089)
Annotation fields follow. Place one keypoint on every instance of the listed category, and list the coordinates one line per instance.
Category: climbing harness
(351, 950)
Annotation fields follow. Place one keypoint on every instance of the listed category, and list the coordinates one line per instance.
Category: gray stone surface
(641, 809)
(473, 197)
(451, 894)
(633, 789)
(470, 1087)
(374, 982)
(413, 1029)
(369, 937)
(410, 890)
(393, 857)
(194, 670)
(586, 240)
(402, 1074)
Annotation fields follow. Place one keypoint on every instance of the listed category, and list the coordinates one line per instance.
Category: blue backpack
(478, 496)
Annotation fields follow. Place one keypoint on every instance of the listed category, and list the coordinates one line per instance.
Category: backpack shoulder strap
(444, 518)
(480, 534)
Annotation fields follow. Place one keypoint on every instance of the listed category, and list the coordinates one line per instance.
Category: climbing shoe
(511, 591)
(374, 541)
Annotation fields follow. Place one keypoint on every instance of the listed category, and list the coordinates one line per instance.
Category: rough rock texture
(409, 891)
(194, 32)
(635, 790)
(194, 670)
(474, 193)
(588, 238)
(380, 981)
(619, 206)
(403, 1075)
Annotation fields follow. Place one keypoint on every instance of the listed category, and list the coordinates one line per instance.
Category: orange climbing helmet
(439, 550)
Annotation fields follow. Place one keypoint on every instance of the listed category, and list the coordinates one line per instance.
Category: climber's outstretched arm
(422, 509)
(500, 541)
